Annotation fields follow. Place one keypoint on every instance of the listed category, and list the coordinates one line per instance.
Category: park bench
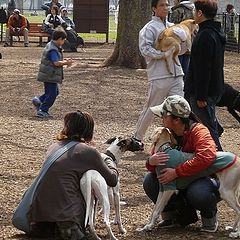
(35, 30)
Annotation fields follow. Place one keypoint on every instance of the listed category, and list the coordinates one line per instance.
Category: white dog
(94, 187)
(227, 171)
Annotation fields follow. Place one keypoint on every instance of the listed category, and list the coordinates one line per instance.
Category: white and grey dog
(226, 167)
(94, 187)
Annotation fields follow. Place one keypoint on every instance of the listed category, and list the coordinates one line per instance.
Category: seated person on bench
(52, 20)
(16, 26)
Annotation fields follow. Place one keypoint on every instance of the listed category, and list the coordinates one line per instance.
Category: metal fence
(231, 26)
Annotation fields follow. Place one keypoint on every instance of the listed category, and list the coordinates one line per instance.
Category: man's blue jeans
(202, 195)
(49, 97)
(184, 60)
(208, 117)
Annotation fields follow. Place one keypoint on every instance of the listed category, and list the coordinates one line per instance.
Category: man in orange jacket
(16, 26)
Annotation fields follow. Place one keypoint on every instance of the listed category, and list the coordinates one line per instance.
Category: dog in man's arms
(178, 36)
(226, 167)
(94, 187)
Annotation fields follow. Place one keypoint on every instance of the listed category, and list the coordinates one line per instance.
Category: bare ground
(115, 96)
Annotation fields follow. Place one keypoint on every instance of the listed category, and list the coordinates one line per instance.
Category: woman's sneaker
(36, 102)
(42, 114)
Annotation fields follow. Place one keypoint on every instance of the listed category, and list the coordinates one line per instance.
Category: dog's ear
(111, 140)
(122, 143)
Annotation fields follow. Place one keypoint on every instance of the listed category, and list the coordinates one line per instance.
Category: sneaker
(36, 102)
(168, 224)
(209, 225)
(42, 114)
(25, 44)
(210, 229)
(6, 44)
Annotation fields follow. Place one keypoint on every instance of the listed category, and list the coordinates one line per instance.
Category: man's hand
(159, 158)
(167, 175)
(201, 104)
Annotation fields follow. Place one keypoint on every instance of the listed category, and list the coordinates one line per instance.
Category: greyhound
(94, 187)
(228, 175)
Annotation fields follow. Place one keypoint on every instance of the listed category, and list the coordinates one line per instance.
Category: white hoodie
(156, 65)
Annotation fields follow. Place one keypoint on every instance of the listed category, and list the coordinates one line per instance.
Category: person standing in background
(162, 83)
(182, 10)
(204, 85)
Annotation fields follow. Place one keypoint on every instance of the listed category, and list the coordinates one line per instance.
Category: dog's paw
(234, 234)
(229, 228)
(146, 228)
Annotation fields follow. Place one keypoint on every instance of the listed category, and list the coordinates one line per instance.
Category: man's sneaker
(25, 44)
(209, 225)
(42, 114)
(168, 224)
(36, 102)
(5, 44)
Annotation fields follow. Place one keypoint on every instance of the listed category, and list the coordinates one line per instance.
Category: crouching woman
(58, 206)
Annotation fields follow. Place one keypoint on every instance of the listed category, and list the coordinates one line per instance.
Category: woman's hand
(167, 175)
(159, 158)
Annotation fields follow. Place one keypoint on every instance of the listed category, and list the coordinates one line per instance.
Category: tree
(132, 16)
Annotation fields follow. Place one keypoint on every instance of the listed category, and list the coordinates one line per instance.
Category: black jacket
(205, 75)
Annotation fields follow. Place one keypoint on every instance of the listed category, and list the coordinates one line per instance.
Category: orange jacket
(199, 141)
(21, 22)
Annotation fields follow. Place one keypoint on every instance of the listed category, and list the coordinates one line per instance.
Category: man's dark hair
(208, 7)
(59, 33)
(154, 3)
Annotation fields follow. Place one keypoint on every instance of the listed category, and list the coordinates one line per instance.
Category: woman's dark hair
(78, 126)
(229, 7)
(208, 7)
(56, 8)
(192, 117)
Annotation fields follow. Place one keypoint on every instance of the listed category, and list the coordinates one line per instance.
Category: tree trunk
(132, 16)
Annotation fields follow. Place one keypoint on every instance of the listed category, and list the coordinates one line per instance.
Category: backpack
(21, 218)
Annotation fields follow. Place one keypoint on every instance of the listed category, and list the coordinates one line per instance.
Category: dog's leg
(118, 220)
(106, 212)
(92, 218)
(232, 200)
(162, 200)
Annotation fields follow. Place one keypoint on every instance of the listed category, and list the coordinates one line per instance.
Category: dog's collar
(164, 147)
(108, 153)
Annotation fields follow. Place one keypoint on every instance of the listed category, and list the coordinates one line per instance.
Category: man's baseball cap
(16, 11)
(173, 105)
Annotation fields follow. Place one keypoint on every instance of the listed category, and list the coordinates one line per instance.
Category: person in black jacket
(47, 6)
(205, 81)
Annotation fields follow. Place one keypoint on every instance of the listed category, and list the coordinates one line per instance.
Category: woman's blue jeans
(202, 195)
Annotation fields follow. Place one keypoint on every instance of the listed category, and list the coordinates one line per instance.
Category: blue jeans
(202, 195)
(49, 97)
(208, 117)
(184, 60)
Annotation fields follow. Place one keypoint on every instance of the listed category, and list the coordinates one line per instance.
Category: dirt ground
(115, 96)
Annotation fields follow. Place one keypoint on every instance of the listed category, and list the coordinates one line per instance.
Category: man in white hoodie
(162, 83)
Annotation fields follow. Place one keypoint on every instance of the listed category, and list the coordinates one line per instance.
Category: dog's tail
(86, 188)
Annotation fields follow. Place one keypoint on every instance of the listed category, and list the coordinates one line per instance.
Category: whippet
(94, 187)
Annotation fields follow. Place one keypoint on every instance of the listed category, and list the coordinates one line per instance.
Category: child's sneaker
(42, 114)
(36, 102)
